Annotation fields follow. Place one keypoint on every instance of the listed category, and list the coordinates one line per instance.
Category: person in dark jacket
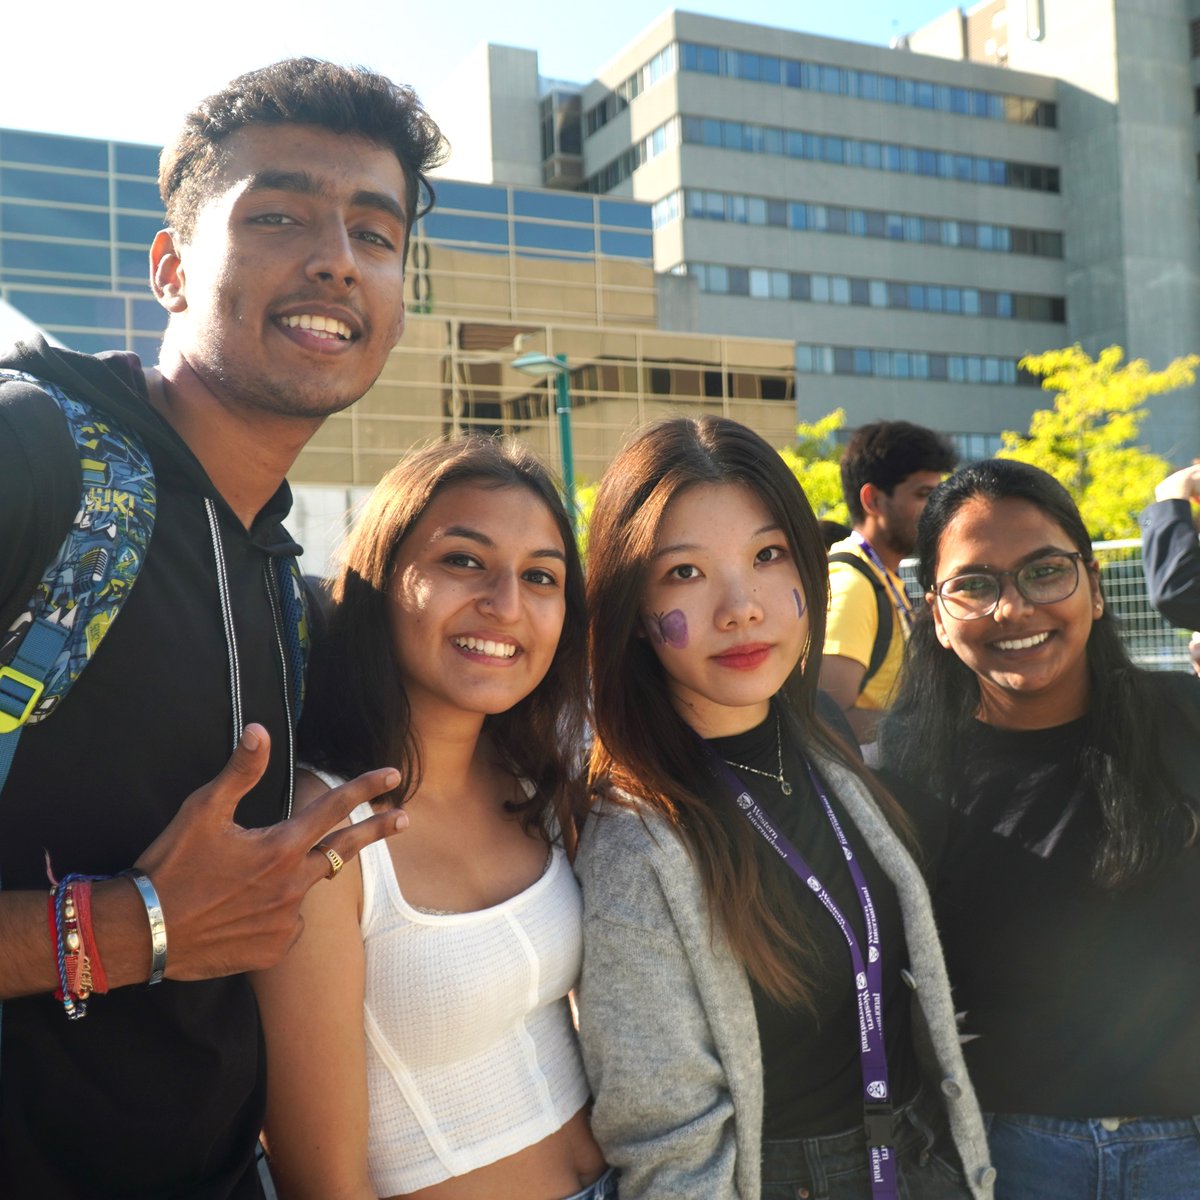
(290, 196)
(1170, 550)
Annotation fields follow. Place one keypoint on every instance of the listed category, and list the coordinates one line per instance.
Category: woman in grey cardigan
(763, 1008)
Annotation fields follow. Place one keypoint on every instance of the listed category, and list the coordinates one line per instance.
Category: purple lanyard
(901, 600)
(868, 975)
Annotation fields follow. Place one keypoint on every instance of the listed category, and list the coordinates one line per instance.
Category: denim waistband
(914, 1124)
(1101, 1130)
(604, 1188)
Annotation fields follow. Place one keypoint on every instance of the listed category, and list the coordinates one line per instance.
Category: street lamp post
(540, 366)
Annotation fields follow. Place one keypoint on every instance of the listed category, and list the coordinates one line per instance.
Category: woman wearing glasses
(1070, 891)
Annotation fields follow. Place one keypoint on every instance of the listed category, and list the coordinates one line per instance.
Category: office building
(1128, 96)
(917, 219)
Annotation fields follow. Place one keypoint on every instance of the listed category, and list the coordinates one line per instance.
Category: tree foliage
(585, 501)
(1087, 439)
(815, 459)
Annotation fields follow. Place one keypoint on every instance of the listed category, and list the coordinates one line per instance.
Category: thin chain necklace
(784, 786)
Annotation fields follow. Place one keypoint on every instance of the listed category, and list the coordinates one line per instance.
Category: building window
(759, 139)
(984, 370)
(761, 283)
(829, 218)
(818, 77)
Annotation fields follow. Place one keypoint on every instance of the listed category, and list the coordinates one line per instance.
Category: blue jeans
(1051, 1158)
(835, 1167)
(605, 1188)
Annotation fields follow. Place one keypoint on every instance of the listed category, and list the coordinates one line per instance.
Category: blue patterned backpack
(81, 592)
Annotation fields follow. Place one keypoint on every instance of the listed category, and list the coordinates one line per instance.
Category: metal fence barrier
(1152, 642)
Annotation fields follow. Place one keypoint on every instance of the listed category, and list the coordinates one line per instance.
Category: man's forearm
(28, 963)
(864, 722)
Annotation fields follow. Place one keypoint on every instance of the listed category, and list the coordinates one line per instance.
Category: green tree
(815, 458)
(1087, 439)
(585, 501)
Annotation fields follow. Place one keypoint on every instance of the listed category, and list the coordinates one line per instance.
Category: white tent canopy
(15, 326)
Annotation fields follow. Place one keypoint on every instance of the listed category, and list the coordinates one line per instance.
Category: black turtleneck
(811, 1070)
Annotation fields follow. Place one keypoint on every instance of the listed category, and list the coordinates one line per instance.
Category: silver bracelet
(158, 927)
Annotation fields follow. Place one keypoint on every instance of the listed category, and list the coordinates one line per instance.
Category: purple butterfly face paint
(801, 607)
(668, 629)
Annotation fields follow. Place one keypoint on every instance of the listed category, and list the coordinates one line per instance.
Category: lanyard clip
(879, 1124)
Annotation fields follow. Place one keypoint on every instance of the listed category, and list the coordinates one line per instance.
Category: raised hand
(231, 896)
(1181, 485)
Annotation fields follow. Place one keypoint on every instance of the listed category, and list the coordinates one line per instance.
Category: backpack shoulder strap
(883, 605)
(85, 585)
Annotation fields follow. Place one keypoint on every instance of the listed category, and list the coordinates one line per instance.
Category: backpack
(883, 604)
(93, 572)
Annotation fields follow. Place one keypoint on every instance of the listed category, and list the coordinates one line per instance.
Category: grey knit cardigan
(666, 1016)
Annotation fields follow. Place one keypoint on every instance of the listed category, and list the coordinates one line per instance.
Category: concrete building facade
(1012, 178)
(898, 217)
(1128, 76)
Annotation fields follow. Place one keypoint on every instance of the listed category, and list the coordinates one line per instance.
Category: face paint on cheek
(801, 607)
(668, 629)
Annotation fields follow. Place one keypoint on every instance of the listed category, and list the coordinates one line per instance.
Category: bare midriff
(560, 1165)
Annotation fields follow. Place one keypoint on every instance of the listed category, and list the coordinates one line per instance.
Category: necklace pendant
(785, 787)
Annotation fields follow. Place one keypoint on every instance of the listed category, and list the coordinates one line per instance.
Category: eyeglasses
(1043, 580)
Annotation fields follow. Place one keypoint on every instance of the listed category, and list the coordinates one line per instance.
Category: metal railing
(1152, 642)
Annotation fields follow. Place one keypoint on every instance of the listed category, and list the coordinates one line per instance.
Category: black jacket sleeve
(1171, 555)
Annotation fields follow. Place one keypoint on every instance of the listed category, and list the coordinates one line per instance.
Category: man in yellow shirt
(888, 470)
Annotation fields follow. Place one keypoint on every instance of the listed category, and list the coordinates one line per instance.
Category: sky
(128, 71)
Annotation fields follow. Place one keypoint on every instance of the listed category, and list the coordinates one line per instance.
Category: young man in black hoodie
(290, 198)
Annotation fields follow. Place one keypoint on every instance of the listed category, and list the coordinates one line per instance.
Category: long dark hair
(357, 717)
(642, 745)
(1145, 817)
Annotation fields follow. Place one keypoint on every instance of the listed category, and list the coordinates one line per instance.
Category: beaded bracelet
(70, 915)
(83, 900)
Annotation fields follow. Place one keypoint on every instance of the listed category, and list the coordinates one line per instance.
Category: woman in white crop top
(419, 1037)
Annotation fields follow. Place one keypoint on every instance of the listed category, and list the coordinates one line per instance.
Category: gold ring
(336, 861)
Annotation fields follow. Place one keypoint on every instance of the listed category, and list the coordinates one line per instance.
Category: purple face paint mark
(668, 629)
(801, 607)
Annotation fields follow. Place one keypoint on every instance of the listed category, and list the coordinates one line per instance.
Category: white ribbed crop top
(471, 1054)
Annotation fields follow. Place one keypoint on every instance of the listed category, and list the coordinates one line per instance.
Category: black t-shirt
(812, 1075)
(1080, 1002)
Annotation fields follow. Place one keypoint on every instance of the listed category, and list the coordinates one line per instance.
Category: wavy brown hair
(356, 714)
(642, 745)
